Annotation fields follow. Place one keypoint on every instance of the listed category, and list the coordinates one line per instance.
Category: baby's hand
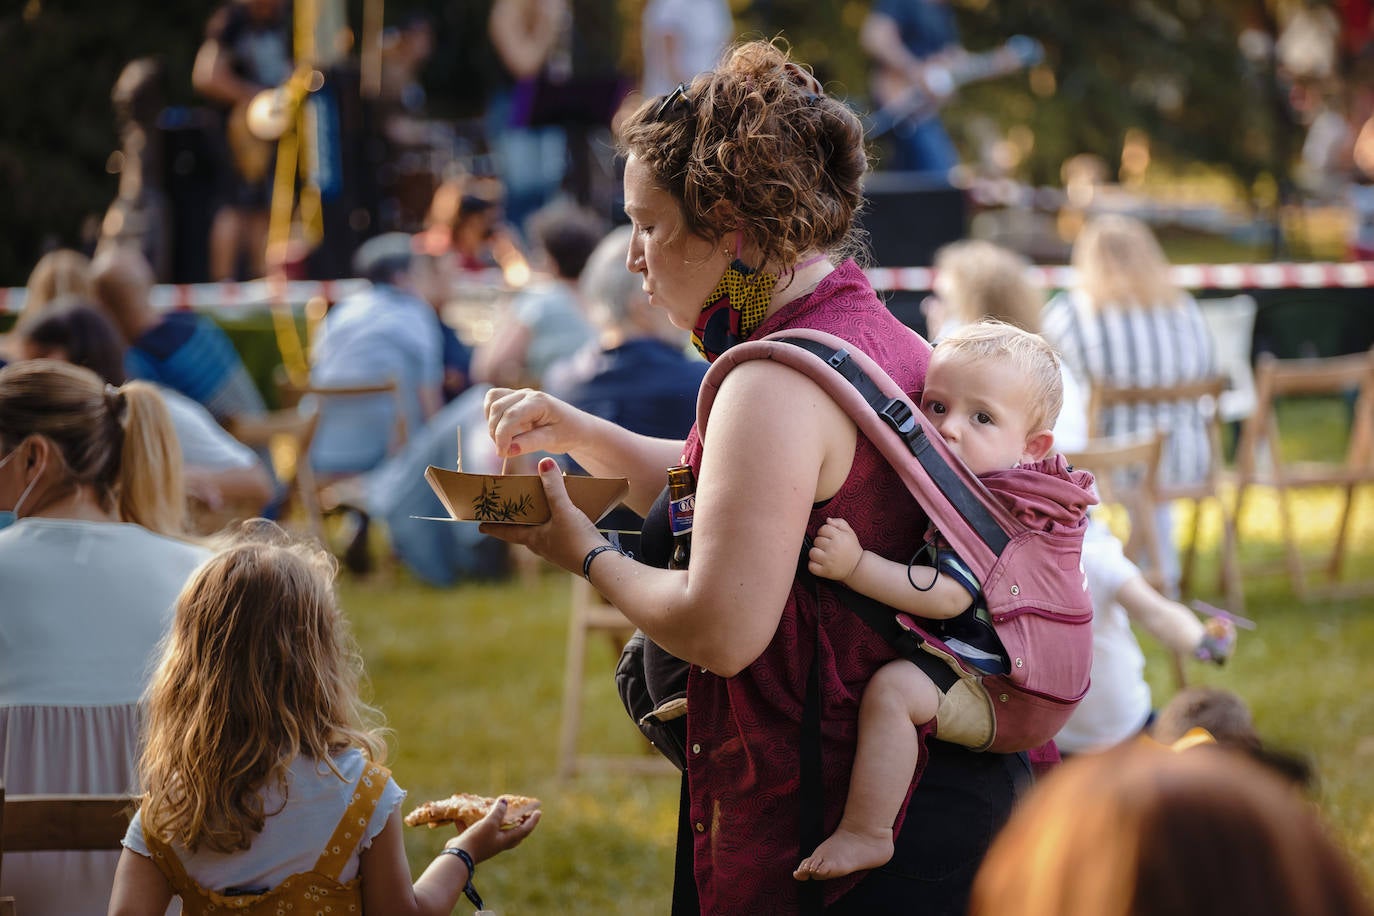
(836, 551)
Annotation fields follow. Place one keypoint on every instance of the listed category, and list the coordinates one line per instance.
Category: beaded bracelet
(469, 891)
(593, 554)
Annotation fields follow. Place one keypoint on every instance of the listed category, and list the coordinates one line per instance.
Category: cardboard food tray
(519, 498)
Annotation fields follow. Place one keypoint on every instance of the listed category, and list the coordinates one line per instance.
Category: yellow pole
(292, 160)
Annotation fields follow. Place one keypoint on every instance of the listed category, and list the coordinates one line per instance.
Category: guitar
(255, 126)
(251, 154)
(903, 98)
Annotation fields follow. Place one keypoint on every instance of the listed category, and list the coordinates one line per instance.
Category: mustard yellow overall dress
(317, 892)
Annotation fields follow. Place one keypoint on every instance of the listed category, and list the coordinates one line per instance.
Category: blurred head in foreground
(1144, 831)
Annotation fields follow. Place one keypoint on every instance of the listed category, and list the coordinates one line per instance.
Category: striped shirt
(189, 353)
(1141, 347)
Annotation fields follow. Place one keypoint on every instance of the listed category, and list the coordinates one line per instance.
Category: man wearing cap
(381, 333)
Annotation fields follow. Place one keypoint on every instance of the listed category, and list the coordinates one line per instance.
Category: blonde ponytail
(151, 488)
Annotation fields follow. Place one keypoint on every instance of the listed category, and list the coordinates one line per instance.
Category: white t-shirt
(82, 607)
(293, 838)
(1119, 702)
(204, 443)
(700, 30)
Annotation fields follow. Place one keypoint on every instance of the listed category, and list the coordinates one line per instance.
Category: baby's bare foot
(846, 851)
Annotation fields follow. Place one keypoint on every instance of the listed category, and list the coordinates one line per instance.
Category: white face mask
(10, 516)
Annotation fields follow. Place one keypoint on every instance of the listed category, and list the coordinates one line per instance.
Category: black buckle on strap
(898, 415)
(838, 359)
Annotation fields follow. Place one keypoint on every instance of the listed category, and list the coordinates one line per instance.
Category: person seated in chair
(181, 350)
(221, 473)
(386, 332)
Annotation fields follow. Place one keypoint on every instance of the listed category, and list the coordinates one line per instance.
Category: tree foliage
(56, 124)
(1168, 68)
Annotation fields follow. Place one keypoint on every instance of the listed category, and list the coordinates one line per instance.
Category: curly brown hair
(756, 146)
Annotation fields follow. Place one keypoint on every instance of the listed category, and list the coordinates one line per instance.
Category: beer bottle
(682, 500)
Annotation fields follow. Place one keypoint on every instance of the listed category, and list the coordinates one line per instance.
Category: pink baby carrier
(1032, 579)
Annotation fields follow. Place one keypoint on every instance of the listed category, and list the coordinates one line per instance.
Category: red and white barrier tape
(232, 296)
(1278, 275)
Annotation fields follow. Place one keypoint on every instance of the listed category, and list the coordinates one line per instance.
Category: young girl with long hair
(262, 766)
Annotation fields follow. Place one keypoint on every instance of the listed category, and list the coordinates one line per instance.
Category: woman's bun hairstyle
(757, 146)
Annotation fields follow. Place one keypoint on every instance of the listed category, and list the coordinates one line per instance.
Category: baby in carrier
(993, 392)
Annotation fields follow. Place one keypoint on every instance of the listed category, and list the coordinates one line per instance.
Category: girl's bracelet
(468, 891)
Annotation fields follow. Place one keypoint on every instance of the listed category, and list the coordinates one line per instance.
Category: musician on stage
(247, 49)
(914, 44)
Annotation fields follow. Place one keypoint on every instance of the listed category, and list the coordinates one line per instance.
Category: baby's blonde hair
(1028, 353)
(258, 669)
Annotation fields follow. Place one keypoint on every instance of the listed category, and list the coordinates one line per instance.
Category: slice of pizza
(464, 809)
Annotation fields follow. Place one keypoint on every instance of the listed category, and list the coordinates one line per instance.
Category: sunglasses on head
(671, 99)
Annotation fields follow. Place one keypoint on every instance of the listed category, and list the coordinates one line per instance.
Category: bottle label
(680, 513)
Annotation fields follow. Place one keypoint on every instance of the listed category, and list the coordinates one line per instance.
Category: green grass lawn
(470, 679)
(471, 682)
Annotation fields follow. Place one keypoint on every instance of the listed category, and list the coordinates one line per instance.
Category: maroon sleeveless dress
(743, 733)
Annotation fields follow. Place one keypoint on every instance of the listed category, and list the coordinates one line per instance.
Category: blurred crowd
(130, 434)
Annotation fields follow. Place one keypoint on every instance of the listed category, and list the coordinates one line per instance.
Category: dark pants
(963, 799)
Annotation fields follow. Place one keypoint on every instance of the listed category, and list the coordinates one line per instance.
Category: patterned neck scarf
(735, 309)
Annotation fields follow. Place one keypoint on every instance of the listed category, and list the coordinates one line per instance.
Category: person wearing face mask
(742, 189)
(91, 504)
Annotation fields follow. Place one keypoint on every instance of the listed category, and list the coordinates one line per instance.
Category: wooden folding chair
(592, 613)
(1260, 459)
(291, 394)
(1135, 459)
(286, 436)
(1206, 394)
(61, 823)
(322, 396)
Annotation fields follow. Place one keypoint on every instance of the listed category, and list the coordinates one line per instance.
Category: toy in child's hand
(1218, 641)
(1219, 636)
(1211, 610)
(464, 809)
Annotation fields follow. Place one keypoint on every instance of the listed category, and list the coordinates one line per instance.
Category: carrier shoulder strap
(977, 525)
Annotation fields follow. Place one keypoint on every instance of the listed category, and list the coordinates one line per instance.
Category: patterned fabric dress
(314, 893)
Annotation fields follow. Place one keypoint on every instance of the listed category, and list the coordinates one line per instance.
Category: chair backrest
(1205, 393)
(295, 394)
(1133, 458)
(286, 435)
(1336, 376)
(1232, 322)
(45, 823)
